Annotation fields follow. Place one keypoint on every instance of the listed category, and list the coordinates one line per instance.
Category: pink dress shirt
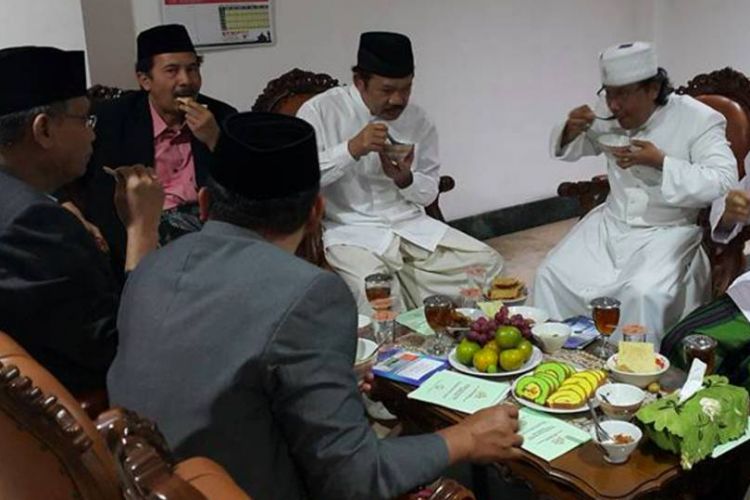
(173, 162)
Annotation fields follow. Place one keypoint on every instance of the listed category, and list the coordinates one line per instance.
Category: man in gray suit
(242, 352)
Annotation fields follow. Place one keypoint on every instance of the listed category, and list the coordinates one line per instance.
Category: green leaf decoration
(712, 416)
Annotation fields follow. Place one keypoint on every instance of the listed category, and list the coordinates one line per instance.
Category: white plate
(535, 359)
(528, 312)
(547, 409)
(518, 300)
(363, 321)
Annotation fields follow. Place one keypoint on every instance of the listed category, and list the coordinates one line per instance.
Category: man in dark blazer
(167, 125)
(244, 353)
(58, 295)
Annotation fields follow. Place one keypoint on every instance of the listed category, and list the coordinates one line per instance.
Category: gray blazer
(243, 353)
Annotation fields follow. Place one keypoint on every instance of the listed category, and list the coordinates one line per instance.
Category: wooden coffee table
(582, 473)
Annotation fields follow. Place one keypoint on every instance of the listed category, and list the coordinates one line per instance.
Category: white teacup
(613, 142)
(551, 336)
(365, 358)
(397, 152)
(618, 453)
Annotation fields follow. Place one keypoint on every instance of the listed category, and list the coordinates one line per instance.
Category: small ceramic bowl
(539, 316)
(363, 322)
(638, 379)
(551, 336)
(615, 453)
(613, 142)
(397, 152)
(622, 400)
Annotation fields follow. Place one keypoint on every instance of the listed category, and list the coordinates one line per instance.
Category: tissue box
(715, 414)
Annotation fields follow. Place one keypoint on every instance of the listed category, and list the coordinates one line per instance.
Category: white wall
(696, 36)
(110, 38)
(494, 75)
(42, 22)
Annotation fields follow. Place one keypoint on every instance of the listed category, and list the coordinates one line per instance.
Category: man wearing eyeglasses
(58, 295)
(642, 246)
(168, 125)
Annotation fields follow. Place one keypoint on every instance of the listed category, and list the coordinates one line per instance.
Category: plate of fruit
(557, 387)
(497, 347)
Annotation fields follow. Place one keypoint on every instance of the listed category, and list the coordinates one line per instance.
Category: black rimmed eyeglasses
(88, 120)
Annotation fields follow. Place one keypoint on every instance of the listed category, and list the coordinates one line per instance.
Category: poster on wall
(222, 23)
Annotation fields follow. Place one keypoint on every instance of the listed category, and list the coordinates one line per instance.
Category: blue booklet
(584, 332)
(408, 367)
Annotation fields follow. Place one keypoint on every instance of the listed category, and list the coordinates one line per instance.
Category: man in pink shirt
(167, 125)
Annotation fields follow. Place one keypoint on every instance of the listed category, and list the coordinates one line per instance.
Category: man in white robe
(375, 219)
(642, 246)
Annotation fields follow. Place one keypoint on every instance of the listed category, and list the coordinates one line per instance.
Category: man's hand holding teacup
(399, 171)
(643, 153)
(371, 138)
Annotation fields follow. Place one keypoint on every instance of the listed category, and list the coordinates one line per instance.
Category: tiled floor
(524, 251)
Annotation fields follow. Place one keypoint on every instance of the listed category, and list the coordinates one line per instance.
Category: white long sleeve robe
(363, 206)
(642, 245)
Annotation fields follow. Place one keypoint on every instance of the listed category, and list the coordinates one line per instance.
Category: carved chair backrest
(727, 91)
(50, 448)
(287, 93)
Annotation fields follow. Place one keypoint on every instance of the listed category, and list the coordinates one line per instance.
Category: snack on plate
(636, 357)
(557, 385)
(459, 320)
(506, 288)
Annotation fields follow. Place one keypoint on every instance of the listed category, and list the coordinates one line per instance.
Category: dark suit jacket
(125, 136)
(58, 297)
(243, 353)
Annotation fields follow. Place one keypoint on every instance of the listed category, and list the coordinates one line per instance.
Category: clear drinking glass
(702, 347)
(438, 310)
(378, 291)
(606, 314)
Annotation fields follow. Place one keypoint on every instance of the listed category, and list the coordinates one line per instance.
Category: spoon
(393, 141)
(605, 118)
(601, 434)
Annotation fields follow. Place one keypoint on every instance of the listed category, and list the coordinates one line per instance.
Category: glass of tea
(605, 312)
(378, 290)
(702, 347)
(438, 310)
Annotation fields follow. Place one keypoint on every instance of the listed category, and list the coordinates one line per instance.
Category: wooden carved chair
(52, 450)
(727, 91)
(285, 95)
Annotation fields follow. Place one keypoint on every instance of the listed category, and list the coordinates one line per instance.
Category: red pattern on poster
(199, 2)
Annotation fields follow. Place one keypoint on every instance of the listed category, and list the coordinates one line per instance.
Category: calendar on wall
(221, 23)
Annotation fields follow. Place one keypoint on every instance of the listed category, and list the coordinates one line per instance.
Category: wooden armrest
(442, 489)
(588, 193)
(210, 479)
(93, 402)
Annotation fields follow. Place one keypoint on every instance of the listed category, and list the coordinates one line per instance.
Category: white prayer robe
(642, 246)
(365, 209)
(739, 290)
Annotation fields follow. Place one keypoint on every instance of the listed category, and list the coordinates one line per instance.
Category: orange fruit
(511, 359)
(508, 337)
(466, 351)
(526, 348)
(492, 345)
(484, 358)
